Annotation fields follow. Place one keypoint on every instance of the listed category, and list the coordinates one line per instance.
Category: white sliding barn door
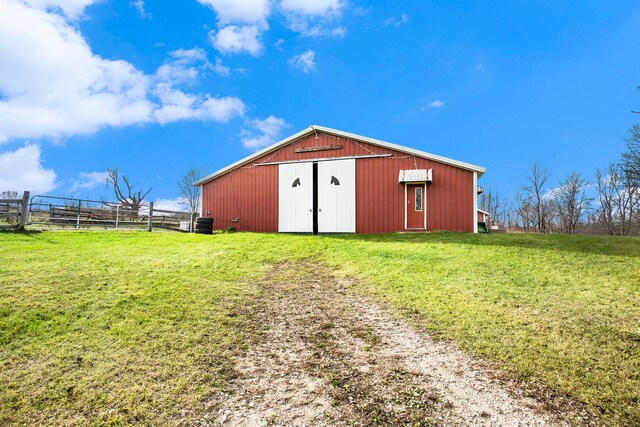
(337, 196)
(295, 198)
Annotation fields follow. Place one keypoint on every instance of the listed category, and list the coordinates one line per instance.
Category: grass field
(109, 328)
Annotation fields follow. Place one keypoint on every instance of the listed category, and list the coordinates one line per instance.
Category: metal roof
(335, 132)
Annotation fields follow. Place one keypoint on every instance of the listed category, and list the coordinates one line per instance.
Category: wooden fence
(13, 212)
(49, 212)
(171, 220)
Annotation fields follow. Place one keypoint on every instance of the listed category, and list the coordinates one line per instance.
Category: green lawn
(110, 328)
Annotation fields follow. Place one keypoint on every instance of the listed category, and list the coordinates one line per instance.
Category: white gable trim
(402, 149)
(475, 202)
(311, 129)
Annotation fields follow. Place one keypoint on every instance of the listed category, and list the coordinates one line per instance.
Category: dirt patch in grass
(323, 355)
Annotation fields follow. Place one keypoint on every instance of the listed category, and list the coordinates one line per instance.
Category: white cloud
(436, 104)
(396, 22)
(241, 23)
(22, 170)
(313, 18)
(240, 11)
(56, 86)
(262, 133)
(279, 44)
(306, 61)
(139, 6)
(72, 9)
(478, 67)
(307, 29)
(237, 39)
(195, 54)
(185, 65)
(312, 7)
(177, 204)
(177, 105)
(550, 193)
(219, 68)
(88, 181)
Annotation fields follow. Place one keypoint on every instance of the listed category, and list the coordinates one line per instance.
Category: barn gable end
(245, 195)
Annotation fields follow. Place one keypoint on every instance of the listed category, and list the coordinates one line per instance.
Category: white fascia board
(255, 155)
(311, 129)
(423, 154)
(475, 202)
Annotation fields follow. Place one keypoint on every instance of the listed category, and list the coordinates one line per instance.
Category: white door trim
(405, 206)
(424, 204)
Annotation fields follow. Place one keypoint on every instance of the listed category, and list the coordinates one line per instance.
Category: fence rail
(64, 212)
(13, 212)
(172, 220)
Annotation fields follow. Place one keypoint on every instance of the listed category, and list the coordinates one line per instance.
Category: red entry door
(416, 207)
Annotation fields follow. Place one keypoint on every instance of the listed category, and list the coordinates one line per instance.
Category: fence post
(78, 220)
(117, 215)
(150, 225)
(23, 213)
(30, 219)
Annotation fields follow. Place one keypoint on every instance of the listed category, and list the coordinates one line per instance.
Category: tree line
(607, 203)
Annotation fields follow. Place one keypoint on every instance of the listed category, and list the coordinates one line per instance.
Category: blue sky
(153, 89)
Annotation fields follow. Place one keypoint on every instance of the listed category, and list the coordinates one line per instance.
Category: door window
(418, 198)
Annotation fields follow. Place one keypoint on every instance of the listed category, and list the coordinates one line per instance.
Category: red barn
(324, 180)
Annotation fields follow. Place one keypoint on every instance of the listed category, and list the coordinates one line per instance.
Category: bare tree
(628, 201)
(606, 196)
(8, 194)
(188, 191)
(125, 191)
(490, 202)
(498, 207)
(619, 199)
(534, 199)
(508, 216)
(571, 201)
(6, 207)
(524, 213)
(631, 166)
(631, 157)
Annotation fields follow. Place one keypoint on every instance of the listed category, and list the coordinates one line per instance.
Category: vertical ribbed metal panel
(380, 197)
(295, 202)
(336, 196)
(251, 193)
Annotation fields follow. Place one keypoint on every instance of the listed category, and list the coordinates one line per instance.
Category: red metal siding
(482, 217)
(250, 193)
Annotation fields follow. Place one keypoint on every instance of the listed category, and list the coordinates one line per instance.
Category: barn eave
(315, 128)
